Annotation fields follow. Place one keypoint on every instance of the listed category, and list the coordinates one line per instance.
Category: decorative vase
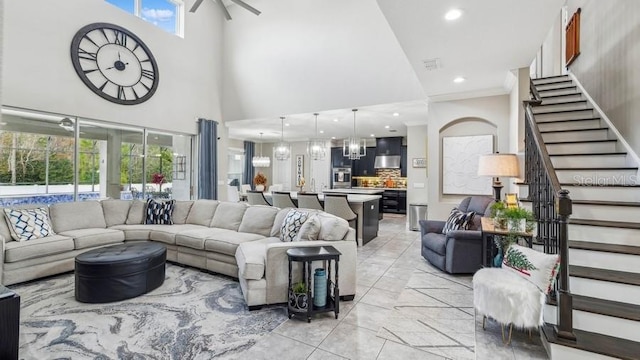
(319, 288)
(497, 260)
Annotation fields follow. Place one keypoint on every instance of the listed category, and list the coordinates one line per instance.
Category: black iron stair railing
(552, 208)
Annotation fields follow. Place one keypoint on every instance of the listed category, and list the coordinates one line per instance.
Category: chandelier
(282, 149)
(353, 147)
(260, 161)
(317, 148)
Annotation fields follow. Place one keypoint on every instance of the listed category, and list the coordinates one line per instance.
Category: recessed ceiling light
(373, 135)
(286, 124)
(396, 114)
(333, 137)
(459, 79)
(321, 131)
(336, 120)
(453, 14)
(386, 126)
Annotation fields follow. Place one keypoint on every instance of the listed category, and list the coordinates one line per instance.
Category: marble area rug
(193, 315)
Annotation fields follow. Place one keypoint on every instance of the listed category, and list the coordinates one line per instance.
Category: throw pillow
(160, 212)
(538, 268)
(292, 224)
(310, 229)
(458, 220)
(27, 224)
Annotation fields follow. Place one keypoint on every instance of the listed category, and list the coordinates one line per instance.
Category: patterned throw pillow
(458, 220)
(160, 212)
(27, 224)
(538, 268)
(292, 224)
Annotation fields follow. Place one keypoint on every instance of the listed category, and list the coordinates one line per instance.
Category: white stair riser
(606, 213)
(625, 293)
(582, 148)
(560, 107)
(550, 80)
(562, 99)
(559, 352)
(570, 125)
(554, 85)
(605, 260)
(602, 234)
(601, 324)
(602, 134)
(523, 191)
(598, 161)
(543, 94)
(604, 193)
(571, 115)
(592, 177)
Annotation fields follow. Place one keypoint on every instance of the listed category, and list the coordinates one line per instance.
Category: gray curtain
(249, 170)
(207, 163)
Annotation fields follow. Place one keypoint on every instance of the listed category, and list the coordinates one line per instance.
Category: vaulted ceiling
(329, 56)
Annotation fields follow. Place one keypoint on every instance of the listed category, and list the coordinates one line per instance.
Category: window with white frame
(165, 14)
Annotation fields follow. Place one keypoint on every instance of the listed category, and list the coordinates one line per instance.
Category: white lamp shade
(260, 161)
(498, 165)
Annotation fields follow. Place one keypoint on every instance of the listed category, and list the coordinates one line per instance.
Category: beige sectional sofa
(233, 239)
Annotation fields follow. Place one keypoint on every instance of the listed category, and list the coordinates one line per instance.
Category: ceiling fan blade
(247, 6)
(224, 10)
(196, 5)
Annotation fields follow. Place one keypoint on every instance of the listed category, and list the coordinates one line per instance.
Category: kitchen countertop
(377, 188)
(351, 198)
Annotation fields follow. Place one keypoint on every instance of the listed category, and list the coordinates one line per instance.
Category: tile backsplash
(388, 173)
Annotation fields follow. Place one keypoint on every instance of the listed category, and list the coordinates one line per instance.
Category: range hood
(388, 153)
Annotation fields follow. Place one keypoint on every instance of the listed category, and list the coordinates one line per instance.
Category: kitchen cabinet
(338, 159)
(364, 166)
(403, 161)
(394, 201)
(388, 146)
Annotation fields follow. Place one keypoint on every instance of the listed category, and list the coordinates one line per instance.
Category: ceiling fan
(240, 3)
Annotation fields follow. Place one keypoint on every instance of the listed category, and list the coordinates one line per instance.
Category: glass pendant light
(317, 148)
(282, 149)
(260, 161)
(353, 147)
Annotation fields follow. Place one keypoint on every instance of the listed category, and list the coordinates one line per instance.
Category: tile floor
(404, 309)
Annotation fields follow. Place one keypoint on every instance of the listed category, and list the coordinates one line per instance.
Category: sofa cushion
(277, 222)
(229, 215)
(77, 215)
(227, 241)
(201, 212)
(136, 231)
(435, 242)
(88, 238)
(250, 259)
(28, 224)
(310, 229)
(136, 213)
(181, 211)
(115, 211)
(159, 212)
(332, 227)
(167, 234)
(50, 245)
(258, 219)
(195, 238)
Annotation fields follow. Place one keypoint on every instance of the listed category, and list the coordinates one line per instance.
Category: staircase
(603, 230)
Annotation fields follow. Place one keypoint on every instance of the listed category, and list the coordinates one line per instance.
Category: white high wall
(417, 178)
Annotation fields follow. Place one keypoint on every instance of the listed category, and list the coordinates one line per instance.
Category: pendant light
(282, 149)
(261, 161)
(353, 147)
(317, 148)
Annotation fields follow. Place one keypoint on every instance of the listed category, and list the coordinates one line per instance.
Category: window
(165, 14)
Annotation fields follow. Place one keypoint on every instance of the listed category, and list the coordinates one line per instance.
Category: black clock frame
(75, 59)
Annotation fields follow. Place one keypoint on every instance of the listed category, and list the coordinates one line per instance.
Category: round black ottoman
(119, 272)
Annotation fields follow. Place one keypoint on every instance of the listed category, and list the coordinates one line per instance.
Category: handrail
(537, 138)
(537, 100)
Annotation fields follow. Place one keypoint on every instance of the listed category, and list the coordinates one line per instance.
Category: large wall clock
(114, 63)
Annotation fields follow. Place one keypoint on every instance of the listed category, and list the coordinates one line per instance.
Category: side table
(9, 323)
(488, 232)
(307, 255)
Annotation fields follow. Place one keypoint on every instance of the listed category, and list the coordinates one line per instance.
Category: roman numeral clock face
(114, 63)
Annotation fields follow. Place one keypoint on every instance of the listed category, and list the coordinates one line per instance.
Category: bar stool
(309, 201)
(282, 199)
(337, 204)
(256, 198)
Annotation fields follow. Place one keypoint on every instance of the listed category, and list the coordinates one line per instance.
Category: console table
(307, 255)
(489, 231)
(9, 323)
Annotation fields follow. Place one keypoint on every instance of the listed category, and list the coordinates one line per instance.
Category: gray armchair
(459, 251)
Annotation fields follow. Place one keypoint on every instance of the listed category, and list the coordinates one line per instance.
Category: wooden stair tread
(605, 202)
(572, 130)
(591, 154)
(560, 88)
(595, 343)
(564, 103)
(568, 81)
(606, 186)
(550, 77)
(567, 120)
(603, 247)
(615, 276)
(605, 223)
(596, 168)
(561, 95)
(604, 307)
(560, 111)
(579, 141)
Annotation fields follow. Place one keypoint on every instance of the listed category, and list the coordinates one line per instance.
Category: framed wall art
(460, 156)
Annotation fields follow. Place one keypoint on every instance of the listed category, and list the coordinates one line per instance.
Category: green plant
(497, 207)
(300, 288)
(518, 213)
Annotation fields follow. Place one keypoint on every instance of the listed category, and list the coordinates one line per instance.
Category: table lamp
(498, 165)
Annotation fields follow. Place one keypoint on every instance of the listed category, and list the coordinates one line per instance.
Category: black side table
(9, 323)
(307, 255)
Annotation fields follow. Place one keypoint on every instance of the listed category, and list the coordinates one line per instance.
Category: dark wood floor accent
(604, 275)
(605, 223)
(596, 343)
(603, 247)
(572, 130)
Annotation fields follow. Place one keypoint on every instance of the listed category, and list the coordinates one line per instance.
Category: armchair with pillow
(455, 245)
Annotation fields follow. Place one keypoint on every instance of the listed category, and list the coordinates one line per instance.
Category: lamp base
(497, 188)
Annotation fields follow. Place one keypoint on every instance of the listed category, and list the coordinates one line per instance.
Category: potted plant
(518, 219)
(497, 213)
(298, 296)
(260, 181)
